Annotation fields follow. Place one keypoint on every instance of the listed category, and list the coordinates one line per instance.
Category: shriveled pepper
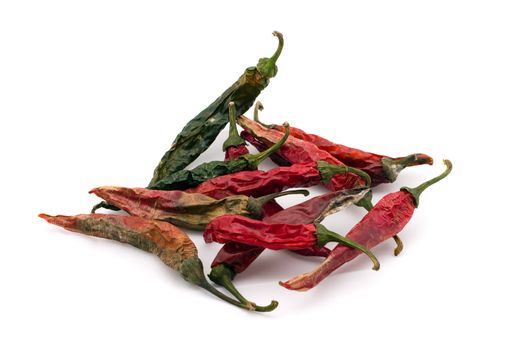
(234, 258)
(236, 228)
(258, 183)
(297, 151)
(200, 132)
(163, 239)
(381, 168)
(386, 219)
(190, 210)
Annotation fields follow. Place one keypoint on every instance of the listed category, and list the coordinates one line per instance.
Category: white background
(92, 93)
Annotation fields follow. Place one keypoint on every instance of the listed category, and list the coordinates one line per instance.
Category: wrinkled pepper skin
(297, 151)
(200, 132)
(160, 238)
(189, 210)
(385, 220)
(382, 169)
(233, 228)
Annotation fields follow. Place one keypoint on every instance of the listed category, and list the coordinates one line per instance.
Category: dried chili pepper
(200, 132)
(236, 228)
(386, 219)
(163, 239)
(234, 146)
(381, 168)
(258, 183)
(297, 151)
(184, 179)
(234, 258)
(190, 210)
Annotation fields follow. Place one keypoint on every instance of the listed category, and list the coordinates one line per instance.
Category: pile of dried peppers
(233, 202)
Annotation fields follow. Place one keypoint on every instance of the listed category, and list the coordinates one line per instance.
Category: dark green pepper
(201, 131)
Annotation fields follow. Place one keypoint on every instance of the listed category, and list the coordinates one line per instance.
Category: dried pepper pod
(382, 169)
(258, 183)
(234, 146)
(163, 239)
(386, 219)
(240, 229)
(297, 151)
(234, 258)
(200, 132)
(190, 210)
(184, 179)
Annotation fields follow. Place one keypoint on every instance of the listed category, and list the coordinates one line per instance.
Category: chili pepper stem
(416, 191)
(328, 170)
(260, 107)
(392, 167)
(256, 159)
(223, 275)
(266, 66)
(255, 205)
(366, 202)
(324, 236)
(192, 271)
(399, 245)
(104, 205)
(233, 135)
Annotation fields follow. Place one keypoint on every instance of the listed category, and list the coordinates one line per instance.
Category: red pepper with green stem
(165, 240)
(386, 219)
(236, 228)
(382, 169)
(234, 258)
(297, 151)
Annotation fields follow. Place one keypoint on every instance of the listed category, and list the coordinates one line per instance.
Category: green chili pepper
(201, 131)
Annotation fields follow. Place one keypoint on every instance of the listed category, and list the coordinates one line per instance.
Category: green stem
(192, 271)
(223, 275)
(392, 167)
(328, 170)
(255, 205)
(256, 159)
(104, 205)
(266, 66)
(324, 236)
(416, 192)
(233, 139)
(260, 107)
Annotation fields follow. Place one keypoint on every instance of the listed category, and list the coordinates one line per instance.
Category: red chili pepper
(297, 151)
(258, 183)
(386, 219)
(236, 228)
(382, 169)
(234, 146)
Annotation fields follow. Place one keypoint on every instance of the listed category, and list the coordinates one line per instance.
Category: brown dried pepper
(386, 219)
(382, 169)
(234, 258)
(163, 239)
(236, 228)
(190, 210)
